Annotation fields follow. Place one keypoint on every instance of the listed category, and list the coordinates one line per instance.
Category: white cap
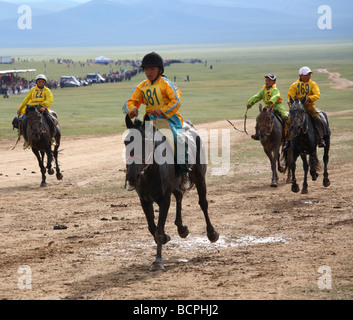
(304, 71)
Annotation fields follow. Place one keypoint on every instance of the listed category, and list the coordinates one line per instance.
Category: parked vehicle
(95, 78)
(69, 81)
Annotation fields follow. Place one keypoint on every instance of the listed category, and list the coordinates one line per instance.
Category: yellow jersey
(300, 89)
(160, 94)
(43, 96)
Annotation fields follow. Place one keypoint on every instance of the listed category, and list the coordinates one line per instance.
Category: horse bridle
(268, 125)
(302, 121)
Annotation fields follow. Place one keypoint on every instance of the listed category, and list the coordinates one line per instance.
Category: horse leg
(159, 236)
(41, 165)
(200, 183)
(288, 160)
(295, 187)
(59, 176)
(273, 168)
(182, 230)
(326, 181)
(306, 168)
(49, 160)
(313, 161)
(147, 207)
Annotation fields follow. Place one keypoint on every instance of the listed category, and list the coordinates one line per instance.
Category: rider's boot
(24, 133)
(256, 135)
(52, 127)
(320, 127)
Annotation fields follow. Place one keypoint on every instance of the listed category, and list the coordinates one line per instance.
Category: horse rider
(305, 87)
(162, 100)
(40, 95)
(272, 99)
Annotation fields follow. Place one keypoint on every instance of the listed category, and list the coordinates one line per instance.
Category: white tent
(102, 60)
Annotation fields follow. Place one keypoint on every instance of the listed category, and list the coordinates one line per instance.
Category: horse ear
(146, 118)
(128, 122)
(303, 100)
(291, 100)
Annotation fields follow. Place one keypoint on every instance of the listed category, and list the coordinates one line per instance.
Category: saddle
(278, 116)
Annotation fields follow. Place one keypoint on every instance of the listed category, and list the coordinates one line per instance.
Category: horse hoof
(315, 176)
(157, 266)
(274, 185)
(59, 176)
(326, 183)
(183, 232)
(43, 185)
(213, 237)
(295, 189)
(51, 171)
(304, 191)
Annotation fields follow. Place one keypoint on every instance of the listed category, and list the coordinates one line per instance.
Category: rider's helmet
(42, 77)
(152, 60)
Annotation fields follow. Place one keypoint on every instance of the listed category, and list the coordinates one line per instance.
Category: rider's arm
(292, 92)
(171, 96)
(256, 98)
(49, 99)
(315, 92)
(25, 101)
(276, 96)
(135, 100)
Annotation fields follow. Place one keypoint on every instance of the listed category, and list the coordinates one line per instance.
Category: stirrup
(53, 141)
(25, 145)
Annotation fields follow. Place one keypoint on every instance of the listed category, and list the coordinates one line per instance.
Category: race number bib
(152, 96)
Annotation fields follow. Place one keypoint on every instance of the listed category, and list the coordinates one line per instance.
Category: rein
(19, 137)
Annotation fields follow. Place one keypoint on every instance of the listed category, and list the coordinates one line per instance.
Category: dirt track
(273, 243)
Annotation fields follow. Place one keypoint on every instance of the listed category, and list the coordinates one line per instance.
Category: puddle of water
(313, 202)
(189, 244)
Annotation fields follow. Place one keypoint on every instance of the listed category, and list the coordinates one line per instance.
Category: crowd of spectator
(13, 84)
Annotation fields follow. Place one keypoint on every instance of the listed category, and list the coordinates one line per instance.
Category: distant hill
(105, 23)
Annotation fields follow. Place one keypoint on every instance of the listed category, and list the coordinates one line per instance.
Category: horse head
(298, 119)
(138, 148)
(34, 121)
(264, 122)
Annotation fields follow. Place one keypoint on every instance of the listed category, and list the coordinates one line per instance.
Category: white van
(95, 78)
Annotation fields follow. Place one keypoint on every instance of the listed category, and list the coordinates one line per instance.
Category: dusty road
(273, 244)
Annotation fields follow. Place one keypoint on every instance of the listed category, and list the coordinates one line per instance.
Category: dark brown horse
(155, 180)
(39, 139)
(272, 139)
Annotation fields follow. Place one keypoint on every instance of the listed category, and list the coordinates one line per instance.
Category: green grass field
(211, 95)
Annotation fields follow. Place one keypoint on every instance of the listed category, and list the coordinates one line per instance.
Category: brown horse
(271, 135)
(155, 181)
(39, 139)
